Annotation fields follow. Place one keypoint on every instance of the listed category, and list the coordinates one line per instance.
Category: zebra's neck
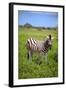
(46, 47)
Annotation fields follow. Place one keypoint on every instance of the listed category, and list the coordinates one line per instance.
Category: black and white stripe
(38, 46)
(32, 44)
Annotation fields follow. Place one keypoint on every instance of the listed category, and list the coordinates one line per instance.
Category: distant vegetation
(27, 25)
(32, 69)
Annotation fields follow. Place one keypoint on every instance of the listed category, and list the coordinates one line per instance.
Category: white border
(60, 44)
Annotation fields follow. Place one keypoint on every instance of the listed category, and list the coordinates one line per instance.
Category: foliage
(38, 67)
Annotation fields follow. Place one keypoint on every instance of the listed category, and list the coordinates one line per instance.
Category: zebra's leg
(40, 58)
(30, 55)
(46, 59)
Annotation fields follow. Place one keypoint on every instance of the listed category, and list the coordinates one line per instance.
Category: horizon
(38, 18)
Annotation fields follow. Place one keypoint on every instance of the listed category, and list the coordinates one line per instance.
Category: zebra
(41, 47)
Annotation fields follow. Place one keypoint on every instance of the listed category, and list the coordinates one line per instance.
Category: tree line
(27, 25)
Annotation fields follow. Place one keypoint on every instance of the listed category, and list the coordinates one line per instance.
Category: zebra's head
(49, 42)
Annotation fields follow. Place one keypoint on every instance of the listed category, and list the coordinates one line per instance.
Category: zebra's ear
(52, 38)
(47, 37)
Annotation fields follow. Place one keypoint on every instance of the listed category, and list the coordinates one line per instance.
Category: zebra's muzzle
(50, 47)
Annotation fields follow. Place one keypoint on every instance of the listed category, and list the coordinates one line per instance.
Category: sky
(38, 18)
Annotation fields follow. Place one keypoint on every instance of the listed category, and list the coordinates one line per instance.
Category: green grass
(32, 69)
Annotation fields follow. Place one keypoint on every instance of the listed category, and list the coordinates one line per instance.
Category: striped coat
(33, 45)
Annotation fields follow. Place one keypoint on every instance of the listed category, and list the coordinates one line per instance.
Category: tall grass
(33, 69)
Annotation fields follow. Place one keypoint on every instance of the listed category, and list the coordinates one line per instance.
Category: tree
(27, 25)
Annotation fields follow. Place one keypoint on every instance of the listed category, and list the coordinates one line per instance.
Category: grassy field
(32, 69)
